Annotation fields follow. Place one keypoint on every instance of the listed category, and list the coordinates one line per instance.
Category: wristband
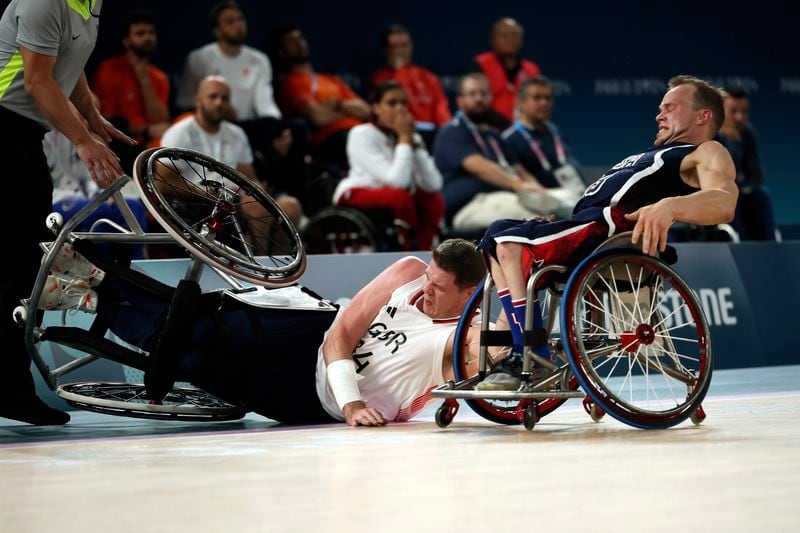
(343, 381)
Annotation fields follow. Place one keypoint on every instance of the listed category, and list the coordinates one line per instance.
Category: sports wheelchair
(339, 229)
(221, 218)
(622, 326)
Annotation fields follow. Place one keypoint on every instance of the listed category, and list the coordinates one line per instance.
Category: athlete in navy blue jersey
(686, 176)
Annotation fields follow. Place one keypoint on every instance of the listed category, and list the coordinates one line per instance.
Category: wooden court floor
(739, 471)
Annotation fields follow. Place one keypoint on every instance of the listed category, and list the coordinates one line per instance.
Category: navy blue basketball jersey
(637, 181)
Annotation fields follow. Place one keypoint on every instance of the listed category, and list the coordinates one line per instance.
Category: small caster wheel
(591, 408)
(446, 412)
(54, 222)
(698, 416)
(20, 315)
(530, 415)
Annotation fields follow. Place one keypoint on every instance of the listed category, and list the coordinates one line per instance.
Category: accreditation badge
(568, 178)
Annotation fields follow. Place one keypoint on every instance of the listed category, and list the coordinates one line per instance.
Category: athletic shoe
(70, 264)
(74, 294)
(505, 375)
(539, 202)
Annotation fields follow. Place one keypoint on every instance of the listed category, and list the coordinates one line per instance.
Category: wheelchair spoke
(657, 368)
(187, 191)
(636, 290)
(664, 319)
(617, 293)
(685, 339)
(594, 326)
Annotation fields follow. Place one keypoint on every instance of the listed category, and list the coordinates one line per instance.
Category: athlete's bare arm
(711, 168)
(356, 319)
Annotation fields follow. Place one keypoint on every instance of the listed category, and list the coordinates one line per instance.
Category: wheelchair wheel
(220, 215)
(129, 399)
(498, 411)
(340, 230)
(636, 338)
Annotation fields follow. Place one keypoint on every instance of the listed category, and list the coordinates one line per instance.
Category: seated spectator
(539, 147)
(482, 179)
(134, 93)
(390, 168)
(279, 144)
(73, 189)
(326, 102)
(426, 99)
(754, 219)
(505, 69)
(209, 133)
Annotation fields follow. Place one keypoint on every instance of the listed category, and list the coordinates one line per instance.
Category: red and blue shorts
(563, 242)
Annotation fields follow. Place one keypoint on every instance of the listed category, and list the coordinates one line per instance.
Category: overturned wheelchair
(622, 326)
(228, 225)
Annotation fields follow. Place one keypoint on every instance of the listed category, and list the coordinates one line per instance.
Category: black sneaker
(31, 410)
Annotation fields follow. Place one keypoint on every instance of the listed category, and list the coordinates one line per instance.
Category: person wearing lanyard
(482, 180)
(539, 147)
(208, 132)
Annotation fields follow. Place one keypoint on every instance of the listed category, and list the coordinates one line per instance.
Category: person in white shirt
(73, 189)
(280, 143)
(303, 361)
(209, 133)
(391, 169)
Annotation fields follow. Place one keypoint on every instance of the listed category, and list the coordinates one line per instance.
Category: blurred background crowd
(404, 123)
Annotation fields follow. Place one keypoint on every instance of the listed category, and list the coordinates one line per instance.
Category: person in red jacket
(504, 67)
(426, 99)
(130, 87)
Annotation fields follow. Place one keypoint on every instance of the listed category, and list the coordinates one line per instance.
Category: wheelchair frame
(183, 403)
(538, 398)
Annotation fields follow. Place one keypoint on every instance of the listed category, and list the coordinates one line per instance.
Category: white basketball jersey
(399, 360)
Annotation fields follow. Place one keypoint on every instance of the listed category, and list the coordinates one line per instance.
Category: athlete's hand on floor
(358, 414)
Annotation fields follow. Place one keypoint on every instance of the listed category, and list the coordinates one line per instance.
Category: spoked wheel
(220, 215)
(340, 230)
(465, 365)
(129, 399)
(647, 344)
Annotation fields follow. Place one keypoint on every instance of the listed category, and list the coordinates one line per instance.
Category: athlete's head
(737, 108)
(691, 111)
(507, 37)
(396, 42)
(228, 23)
(452, 275)
(474, 98)
(536, 100)
(139, 33)
(212, 101)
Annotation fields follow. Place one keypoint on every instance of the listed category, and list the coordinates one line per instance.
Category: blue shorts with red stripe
(563, 242)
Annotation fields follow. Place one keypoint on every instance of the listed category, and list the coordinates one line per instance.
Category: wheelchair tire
(220, 215)
(498, 411)
(648, 364)
(340, 230)
(130, 399)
